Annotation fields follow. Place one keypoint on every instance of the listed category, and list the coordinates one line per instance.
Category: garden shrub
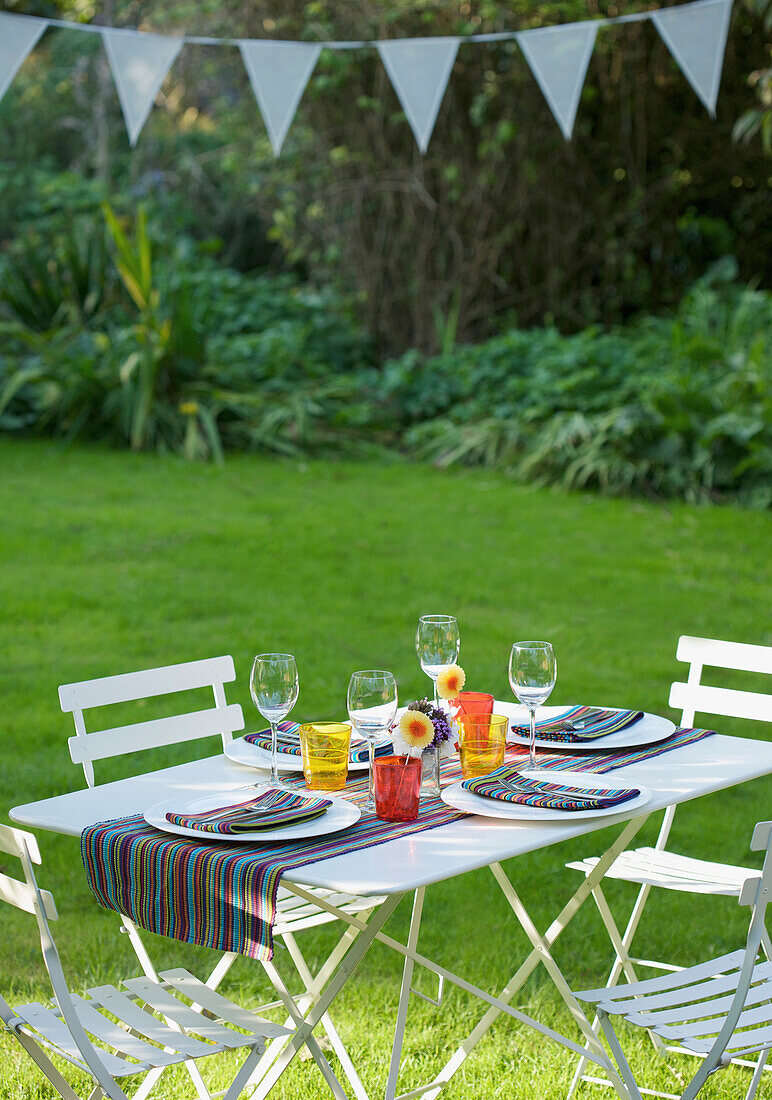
(678, 406)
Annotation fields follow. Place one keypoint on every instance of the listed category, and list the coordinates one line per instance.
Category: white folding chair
(718, 1010)
(112, 1033)
(293, 913)
(658, 867)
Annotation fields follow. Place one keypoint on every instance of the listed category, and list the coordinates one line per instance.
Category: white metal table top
(709, 765)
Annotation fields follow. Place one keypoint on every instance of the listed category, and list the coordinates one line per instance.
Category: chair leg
(756, 1079)
(47, 1067)
(129, 928)
(222, 968)
(624, 1069)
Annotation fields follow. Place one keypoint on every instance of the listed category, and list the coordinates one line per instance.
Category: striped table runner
(223, 895)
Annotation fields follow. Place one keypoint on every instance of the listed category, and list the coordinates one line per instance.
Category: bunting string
(419, 68)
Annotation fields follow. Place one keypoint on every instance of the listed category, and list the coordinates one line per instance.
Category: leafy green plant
(64, 276)
(186, 356)
(161, 370)
(671, 407)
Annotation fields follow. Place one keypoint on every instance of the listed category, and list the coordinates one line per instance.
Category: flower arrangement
(423, 726)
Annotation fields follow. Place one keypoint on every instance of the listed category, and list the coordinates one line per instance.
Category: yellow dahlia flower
(450, 681)
(416, 729)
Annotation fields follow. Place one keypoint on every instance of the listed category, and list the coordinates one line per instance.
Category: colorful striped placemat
(223, 895)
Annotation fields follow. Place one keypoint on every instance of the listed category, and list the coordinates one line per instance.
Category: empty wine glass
(274, 688)
(437, 643)
(533, 670)
(372, 708)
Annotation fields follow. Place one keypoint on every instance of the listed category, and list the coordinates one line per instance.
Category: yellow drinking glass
(482, 743)
(325, 748)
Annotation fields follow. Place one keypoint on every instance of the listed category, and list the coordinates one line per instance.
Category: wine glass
(437, 643)
(372, 708)
(274, 688)
(533, 670)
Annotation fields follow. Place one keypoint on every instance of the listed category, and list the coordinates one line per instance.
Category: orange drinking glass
(474, 702)
(482, 744)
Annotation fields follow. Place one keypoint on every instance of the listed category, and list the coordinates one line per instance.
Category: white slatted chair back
(222, 719)
(24, 846)
(694, 697)
(658, 867)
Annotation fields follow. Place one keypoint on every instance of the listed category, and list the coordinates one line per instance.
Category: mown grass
(111, 562)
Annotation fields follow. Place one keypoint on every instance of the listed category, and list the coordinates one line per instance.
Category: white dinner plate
(461, 799)
(243, 752)
(646, 731)
(340, 815)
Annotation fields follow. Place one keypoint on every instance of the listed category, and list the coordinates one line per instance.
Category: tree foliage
(502, 222)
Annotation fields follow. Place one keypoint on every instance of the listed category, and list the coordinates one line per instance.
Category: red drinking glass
(397, 787)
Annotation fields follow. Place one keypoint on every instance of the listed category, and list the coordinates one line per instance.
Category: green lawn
(112, 562)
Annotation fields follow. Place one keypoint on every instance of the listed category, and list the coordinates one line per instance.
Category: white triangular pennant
(278, 73)
(18, 34)
(558, 58)
(696, 34)
(139, 63)
(419, 70)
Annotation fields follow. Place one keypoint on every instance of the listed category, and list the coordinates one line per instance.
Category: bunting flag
(696, 36)
(558, 57)
(139, 63)
(278, 73)
(18, 35)
(419, 70)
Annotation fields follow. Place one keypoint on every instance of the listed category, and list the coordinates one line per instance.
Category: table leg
(306, 1025)
(307, 999)
(541, 953)
(404, 995)
(276, 1046)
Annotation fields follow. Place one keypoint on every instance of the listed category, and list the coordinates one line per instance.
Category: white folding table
(412, 863)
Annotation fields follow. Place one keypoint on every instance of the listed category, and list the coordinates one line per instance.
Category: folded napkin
(257, 813)
(510, 785)
(289, 742)
(600, 721)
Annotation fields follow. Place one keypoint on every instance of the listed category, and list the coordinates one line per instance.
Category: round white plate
(461, 799)
(340, 815)
(243, 752)
(646, 731)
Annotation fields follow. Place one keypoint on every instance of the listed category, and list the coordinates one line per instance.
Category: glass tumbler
(325, 750)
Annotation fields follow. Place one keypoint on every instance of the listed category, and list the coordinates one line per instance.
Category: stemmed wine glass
(372, 708)
(533, 670)
(274, 688)
(437, 643)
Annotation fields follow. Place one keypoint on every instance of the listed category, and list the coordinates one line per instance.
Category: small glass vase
(430, 771)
